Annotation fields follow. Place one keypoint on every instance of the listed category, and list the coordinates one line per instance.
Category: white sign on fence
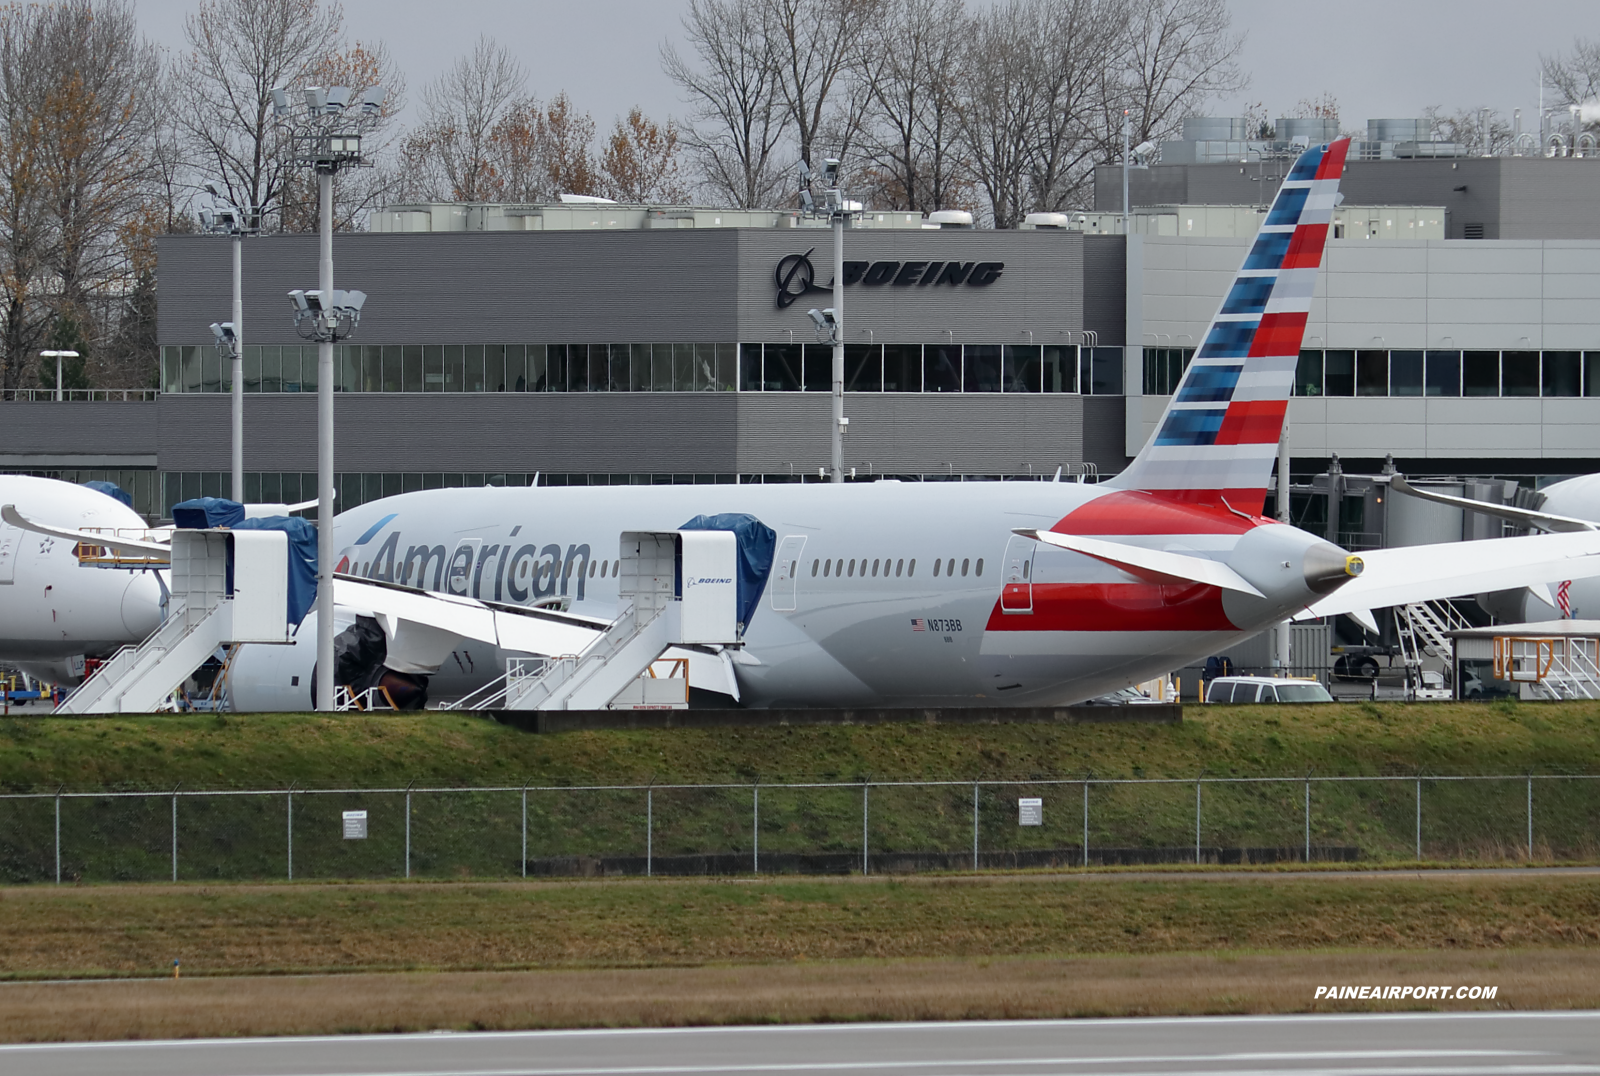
(355, 825)
(1030, 812)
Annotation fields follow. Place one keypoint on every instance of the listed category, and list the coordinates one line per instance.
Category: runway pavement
(1433, 1044)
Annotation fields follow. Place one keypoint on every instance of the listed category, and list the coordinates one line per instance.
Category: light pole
(328, 138)
(58, 356)
(233, 221)
(830, 323)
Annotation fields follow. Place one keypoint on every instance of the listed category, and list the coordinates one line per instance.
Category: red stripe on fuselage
(1165, 511)
(1118, 607)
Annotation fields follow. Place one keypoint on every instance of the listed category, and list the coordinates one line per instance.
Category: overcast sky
(1379, 58)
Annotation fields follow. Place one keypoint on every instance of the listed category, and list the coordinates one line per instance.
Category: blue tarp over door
(112, 490)
(204, 512)
(757, 543)
(302, 559)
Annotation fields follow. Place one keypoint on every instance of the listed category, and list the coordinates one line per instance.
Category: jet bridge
(228, 586)
(677, 589)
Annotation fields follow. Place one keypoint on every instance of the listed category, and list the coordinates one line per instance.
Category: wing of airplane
(1543, 520)
(511, 627)
(1431, 572)
(1144, 562)
(116, 543)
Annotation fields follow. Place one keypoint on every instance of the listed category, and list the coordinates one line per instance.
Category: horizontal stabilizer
(131, 546)
(1141, 561)
(1543, 520)
(1451, 569)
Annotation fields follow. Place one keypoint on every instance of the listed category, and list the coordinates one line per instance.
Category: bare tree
(640, 162)
(999, 111)
(1076, 53)
(812, 45)
(241, 50)
(1575, 75)
(1175, 56)
(452, 154)
(911, 139)
(739, 119)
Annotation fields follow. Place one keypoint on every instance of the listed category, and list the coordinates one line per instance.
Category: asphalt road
(1449, 1044)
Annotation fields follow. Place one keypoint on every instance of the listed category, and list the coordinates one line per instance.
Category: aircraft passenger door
(10, 546)
(1016, 595)
(786, 566)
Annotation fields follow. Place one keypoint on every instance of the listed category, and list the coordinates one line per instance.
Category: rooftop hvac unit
(1312, 129)
(950, 218)
(1046, 220)
(1402, 130)
(1217, 128)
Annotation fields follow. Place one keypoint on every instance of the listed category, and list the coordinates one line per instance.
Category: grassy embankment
(479, 834)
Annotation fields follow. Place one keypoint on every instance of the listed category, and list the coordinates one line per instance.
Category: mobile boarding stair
(1549, 667)
(228, 586)
(677, 589)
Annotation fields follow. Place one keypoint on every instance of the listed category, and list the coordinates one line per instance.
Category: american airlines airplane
(940, 594)
(950, 594)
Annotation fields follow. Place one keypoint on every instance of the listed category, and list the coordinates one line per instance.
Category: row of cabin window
(848, 570)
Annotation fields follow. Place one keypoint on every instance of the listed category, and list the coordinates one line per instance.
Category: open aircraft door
(1016, 596)
(788, 567)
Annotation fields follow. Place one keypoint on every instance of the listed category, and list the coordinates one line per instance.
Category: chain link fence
(802, 828)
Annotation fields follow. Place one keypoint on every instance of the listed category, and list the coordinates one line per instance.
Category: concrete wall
(78, 435)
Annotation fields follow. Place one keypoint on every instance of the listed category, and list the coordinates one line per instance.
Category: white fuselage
(54, 612)
(885, 593)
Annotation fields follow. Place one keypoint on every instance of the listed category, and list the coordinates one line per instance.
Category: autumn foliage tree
(640, 162)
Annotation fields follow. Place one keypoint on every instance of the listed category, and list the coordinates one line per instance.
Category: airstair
(1422, 630)
(677, 588)
(1549, 667)
(227, 587)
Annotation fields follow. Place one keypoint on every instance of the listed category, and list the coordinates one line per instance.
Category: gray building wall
(78, 434)
(1512, 197)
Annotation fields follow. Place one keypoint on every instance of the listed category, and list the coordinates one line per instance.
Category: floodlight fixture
(316, 99)
(208, 220)
(830, 172)
(805, 173)
(808, 204)
(354, 301)
(301, 303)
(372, 100)
(338, 97)
(823, 322)
(326, 318)
(280, 102)
(212, 188)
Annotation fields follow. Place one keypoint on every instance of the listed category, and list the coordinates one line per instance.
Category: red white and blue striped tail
(1219, 434)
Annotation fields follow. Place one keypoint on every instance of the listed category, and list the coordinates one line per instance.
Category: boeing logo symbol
(795, 276)
(705, 580)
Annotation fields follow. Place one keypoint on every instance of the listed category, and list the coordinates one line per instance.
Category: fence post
(58, 836)
(174, 834)
(649, 831)
(1308, 818)
(1530, 817)
(1086, 821)
(864, 787)
(1419, 819)
(524, 831)
(290, 796)
(408, 832)
(974, 825)
(1197, 781)
(755, 827)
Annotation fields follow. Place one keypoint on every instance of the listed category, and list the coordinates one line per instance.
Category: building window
(1340, 379)
(863, 368)
(902, 367)
(980, 368)
(1480, 373)
(1519, 373)
(1372, 373)
(1563, 373)
(1308, 374)
(1443, 373)
(1105, 371)
(1164, 367)
(941, 368)
(1405, 373)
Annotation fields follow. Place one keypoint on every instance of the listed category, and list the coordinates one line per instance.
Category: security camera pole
(830, 322)
(236, 222)
(329, 138)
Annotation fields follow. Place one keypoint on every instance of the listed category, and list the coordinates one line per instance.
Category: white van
(1238, 689)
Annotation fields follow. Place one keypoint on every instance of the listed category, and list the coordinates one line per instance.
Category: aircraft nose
(1327, 567)
(141, 605)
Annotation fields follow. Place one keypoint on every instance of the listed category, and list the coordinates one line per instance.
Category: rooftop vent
(950, 218)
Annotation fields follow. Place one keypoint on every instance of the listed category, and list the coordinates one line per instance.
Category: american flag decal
(1564, 599)
(918, 624)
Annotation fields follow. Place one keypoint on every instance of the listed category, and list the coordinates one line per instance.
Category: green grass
(472, 833)
(442, 749)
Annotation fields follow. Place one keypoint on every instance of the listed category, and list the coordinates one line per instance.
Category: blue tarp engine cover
(757, 541)
(204, 512)
(302, 558)
(112, 490)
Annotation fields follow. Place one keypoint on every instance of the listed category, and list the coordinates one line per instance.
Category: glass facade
(1335, 372)
(714, 367)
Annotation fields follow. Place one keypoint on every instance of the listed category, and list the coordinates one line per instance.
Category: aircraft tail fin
(1218, 437)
